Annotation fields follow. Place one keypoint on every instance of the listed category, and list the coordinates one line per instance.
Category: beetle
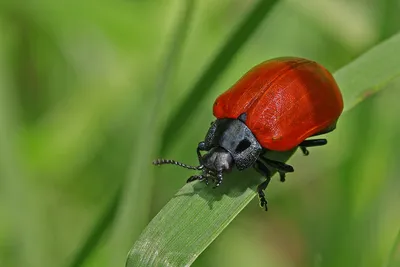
(276, 106)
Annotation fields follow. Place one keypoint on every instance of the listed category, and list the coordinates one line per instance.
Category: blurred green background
(82, 116)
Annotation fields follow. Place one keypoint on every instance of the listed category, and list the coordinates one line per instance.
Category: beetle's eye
(242, 146)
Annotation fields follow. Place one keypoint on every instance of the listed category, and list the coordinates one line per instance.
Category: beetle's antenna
(174, 162)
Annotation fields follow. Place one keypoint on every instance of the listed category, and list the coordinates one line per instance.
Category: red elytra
(286, 100)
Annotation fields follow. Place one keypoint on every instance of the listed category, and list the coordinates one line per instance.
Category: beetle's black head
(229, 143)
(233, 136)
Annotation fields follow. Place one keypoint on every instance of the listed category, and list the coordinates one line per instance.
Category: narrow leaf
(394, 257)
(98, 231)
(370, 73)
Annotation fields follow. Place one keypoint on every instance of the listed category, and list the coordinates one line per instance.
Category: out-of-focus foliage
(78, 81)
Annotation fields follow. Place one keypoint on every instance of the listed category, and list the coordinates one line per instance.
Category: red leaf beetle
(277, 105)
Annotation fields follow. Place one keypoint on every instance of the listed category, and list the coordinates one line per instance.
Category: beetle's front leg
(218, 180)
(200, 147)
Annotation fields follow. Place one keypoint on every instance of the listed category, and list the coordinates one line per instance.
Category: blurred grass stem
(133, 215)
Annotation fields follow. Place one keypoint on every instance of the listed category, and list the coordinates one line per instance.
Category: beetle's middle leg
(281, 167)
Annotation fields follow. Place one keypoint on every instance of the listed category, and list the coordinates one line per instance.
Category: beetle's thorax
(233, 137)
(218, 160)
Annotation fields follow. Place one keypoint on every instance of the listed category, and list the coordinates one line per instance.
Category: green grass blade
(394, 257)
(133, 214)
(174, 52)
(216, 68)
(369, 73)
(98, 231)
(196, 215)
(22, 211)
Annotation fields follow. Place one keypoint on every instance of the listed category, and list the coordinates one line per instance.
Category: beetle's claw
(218, 181)
(263, 201)
(305, 151)
(282, 176)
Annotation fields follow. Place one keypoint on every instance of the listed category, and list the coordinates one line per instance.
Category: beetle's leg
(218, 182)
(261, 168)
(282, 176)
(314, 142)
(304, 150)
(311, 143)
(200, 147)
(280, 167)
(207, 177)
(278, 164)
(194, 178)
(201, 177)
(261, 194)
